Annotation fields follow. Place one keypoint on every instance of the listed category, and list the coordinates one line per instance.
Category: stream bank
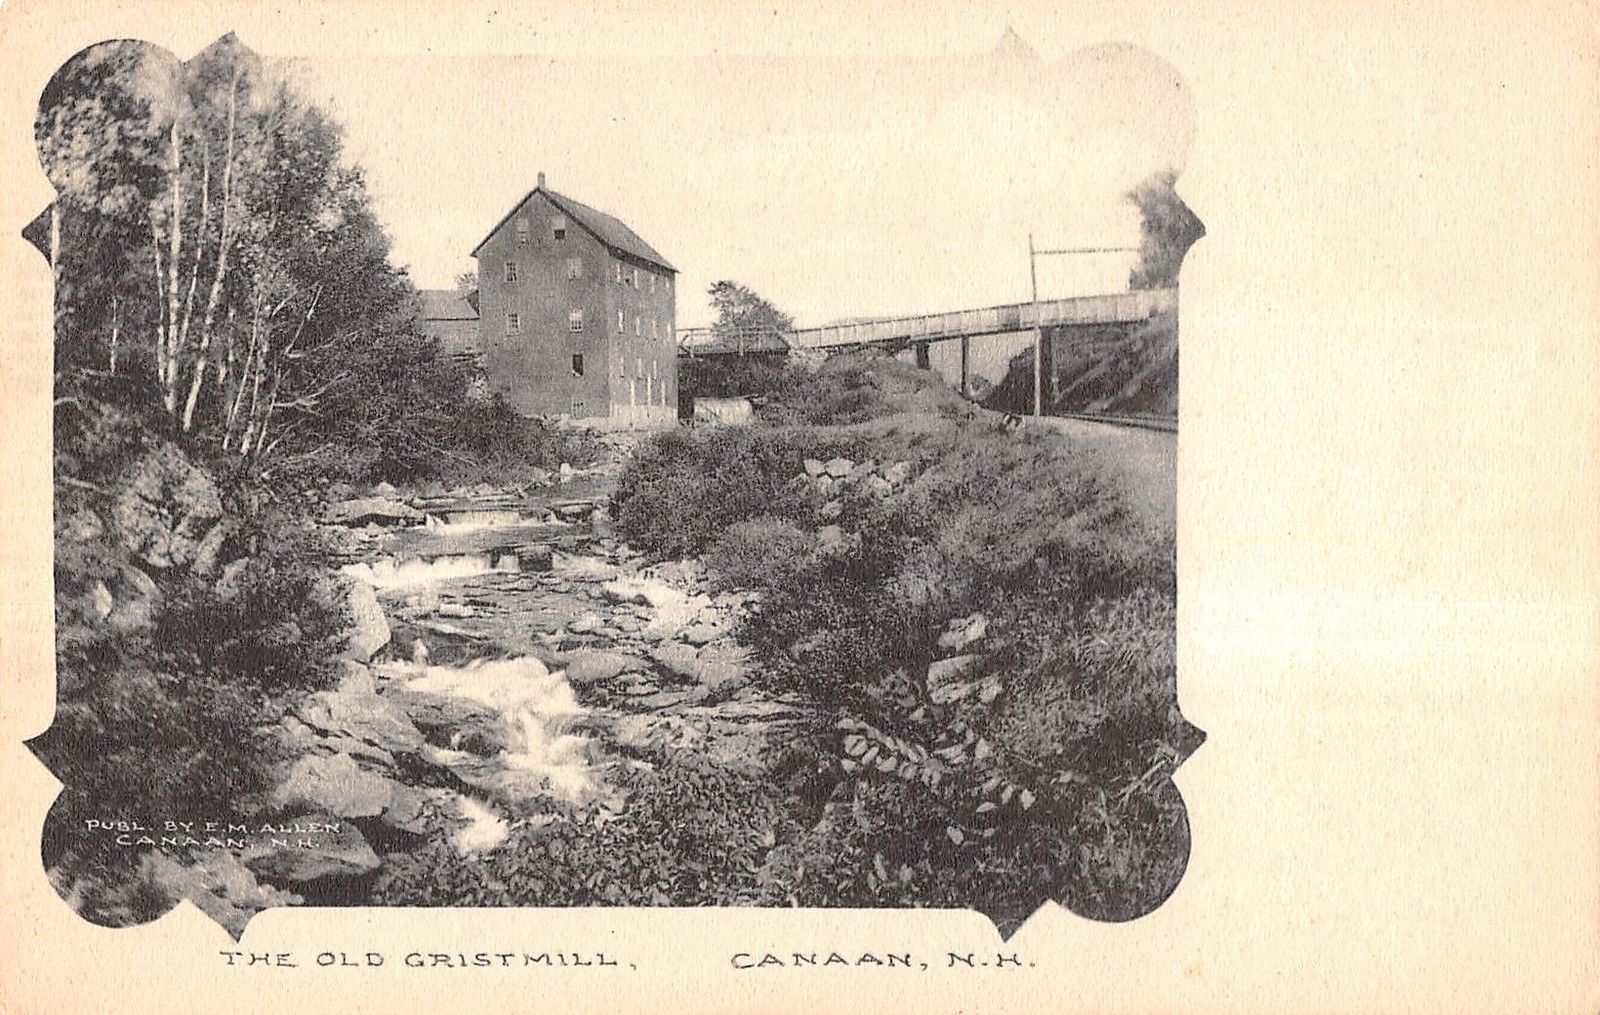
(511, 665)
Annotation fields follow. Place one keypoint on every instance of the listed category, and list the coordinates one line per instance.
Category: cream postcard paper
(1385, 518)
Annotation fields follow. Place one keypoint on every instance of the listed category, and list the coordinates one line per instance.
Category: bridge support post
(966, 374)
(923, 359)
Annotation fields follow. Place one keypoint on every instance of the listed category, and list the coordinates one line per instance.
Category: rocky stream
(509, 658)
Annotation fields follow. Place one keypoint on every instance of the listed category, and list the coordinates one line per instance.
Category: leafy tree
(211, 245)
(98, 138)
(742, 312)
(1168, 228)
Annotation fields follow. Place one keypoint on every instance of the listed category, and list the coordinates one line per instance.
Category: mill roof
(608, 229)
(445, 305)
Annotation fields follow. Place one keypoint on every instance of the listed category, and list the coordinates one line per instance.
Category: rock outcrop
(370, 631)
(166, 511)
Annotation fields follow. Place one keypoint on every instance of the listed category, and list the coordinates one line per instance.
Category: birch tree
(250, 293)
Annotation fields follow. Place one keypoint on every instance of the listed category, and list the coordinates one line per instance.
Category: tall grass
(1079, 591)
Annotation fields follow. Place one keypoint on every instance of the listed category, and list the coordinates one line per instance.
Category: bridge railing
(1110, 308)
(1103, 309)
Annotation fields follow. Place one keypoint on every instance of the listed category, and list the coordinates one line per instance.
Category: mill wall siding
(628, 379)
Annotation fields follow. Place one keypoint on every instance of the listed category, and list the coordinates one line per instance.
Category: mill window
(513, 324)
(575, 320)
(522, 230)
(558, 227)
(577, 364)
(574, 267)
(511, 271)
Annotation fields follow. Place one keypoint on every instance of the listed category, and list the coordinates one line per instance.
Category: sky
(837, 187)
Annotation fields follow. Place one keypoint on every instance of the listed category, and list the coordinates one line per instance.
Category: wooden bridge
(918, 331)
(1078, 311)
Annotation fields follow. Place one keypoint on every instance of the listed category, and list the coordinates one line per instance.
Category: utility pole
(1038, 317)
(1038, 333)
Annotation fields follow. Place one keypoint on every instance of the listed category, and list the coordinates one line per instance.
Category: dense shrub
(164, 678)
(854, 388)
(841, 390)
(683, 489)
(695, 833)
(1105, 857)
(762, 550)
(436, 433)
(1078, 586)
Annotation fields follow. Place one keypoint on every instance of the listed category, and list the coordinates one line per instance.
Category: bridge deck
(1116, 308)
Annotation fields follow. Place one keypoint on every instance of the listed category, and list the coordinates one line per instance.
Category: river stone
(405, 810)
(371, 627)
(295, 736)
(949, 671)
(208, 551)
(356, 678)
(356, 749)
(814, 468)
(655, 732)
(134, 601)
(575, 567)
(592, 666)
(701, 633)
(681, 660)
(758, 711)
(642, 592)
(362, 716)
(839, 468)
(336, 785)
(335, 849)
(370, 510)
(898, 473)
(586, 624)
(462, 722)
(721, 679)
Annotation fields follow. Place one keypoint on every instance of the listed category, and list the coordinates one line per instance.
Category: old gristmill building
(576, 315)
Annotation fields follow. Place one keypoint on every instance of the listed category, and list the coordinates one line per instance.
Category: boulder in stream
(334, 784)
(372, 510)
(593, 666)
(310, 848)
(371, 628)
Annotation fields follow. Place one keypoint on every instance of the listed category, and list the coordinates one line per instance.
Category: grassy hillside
(1119, 370)
(953, 591)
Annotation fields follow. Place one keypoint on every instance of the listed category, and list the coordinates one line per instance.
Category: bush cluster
(1078, 589)
(695, 833)
(683, 489)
